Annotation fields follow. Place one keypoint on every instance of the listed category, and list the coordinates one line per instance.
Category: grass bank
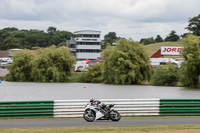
(152, 48)
(108, 129)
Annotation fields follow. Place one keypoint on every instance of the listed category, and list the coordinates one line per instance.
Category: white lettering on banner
(170, 50)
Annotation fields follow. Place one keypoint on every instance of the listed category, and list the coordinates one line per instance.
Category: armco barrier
(126, 107)
(75, 108)
(179, 107)
(23, 109)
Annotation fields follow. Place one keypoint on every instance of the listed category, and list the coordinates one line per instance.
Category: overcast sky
(134, 19)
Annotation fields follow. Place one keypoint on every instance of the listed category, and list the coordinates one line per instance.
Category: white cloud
(128, 18)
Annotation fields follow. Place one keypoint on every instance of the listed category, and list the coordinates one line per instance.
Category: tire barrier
(75, 108)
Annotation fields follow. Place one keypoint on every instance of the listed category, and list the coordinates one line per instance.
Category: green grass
(152, 48)
(81, 118)
(108, 129)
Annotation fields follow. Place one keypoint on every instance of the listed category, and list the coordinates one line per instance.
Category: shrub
(166, 75)
(94, 74)
(20, 69)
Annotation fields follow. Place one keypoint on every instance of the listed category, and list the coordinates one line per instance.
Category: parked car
(4, 64)
(81, 66)
(161, 61)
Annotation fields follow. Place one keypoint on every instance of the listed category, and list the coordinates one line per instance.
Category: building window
(88, 43)
(88, 50)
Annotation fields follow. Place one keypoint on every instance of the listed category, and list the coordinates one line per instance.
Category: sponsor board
(170, 50)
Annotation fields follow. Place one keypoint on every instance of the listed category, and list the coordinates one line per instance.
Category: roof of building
(87, 32)
(156, 54)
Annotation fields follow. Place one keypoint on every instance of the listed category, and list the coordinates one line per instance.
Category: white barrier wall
(126, 107)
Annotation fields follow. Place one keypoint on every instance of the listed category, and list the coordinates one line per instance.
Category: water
(24, 91)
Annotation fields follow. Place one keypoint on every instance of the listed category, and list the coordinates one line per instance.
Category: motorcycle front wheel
(115, 115)
(89, 116)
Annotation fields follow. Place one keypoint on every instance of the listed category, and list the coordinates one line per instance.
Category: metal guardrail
(75, 108)
(181, 107)
(126, 107)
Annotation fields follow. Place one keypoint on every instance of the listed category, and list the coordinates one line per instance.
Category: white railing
(126, 107)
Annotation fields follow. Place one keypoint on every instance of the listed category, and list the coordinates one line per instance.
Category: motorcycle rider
(95, 110)
(95, 102)
(98, 104)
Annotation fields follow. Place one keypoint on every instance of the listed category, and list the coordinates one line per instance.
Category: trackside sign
(170, 50)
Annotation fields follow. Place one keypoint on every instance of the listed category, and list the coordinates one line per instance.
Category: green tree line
(44, 65)
(30, 39)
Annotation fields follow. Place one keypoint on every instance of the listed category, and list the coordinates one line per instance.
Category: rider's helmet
(103, 105)
(92, 100)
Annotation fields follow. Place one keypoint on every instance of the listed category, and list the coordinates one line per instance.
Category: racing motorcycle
(95, 111)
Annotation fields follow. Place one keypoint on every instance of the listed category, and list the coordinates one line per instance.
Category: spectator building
(85, 44)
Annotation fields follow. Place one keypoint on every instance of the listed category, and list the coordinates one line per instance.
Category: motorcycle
(100, 112)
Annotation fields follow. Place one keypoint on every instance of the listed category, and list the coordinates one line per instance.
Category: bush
(94, 74)
(166, 75)
(20, 69)
(77, 77)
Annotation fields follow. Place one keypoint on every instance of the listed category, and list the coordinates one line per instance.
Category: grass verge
(124, 117)
(108, 129)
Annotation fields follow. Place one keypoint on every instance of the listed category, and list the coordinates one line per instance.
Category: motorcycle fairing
(98, 115)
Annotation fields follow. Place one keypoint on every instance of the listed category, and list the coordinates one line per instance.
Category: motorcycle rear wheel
(115, 115)
(89, 116)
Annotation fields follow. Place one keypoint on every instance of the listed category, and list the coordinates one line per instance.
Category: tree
(110, 38)
(94, 74)
(52, 65)
(172, 36)
(51, 30)
(14, 38)
(45, 65)
(165, 75)
(194, 25)
(158, 39)
(60, 37)
(190, 69)
(146, 41)
(126, 63)
(20, 69)
(10, 43)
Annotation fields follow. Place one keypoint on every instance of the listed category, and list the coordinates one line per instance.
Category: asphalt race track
(81, 122)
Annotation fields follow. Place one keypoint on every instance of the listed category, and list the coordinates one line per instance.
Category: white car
(4, 64)
(10, 60)
(6, 59)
